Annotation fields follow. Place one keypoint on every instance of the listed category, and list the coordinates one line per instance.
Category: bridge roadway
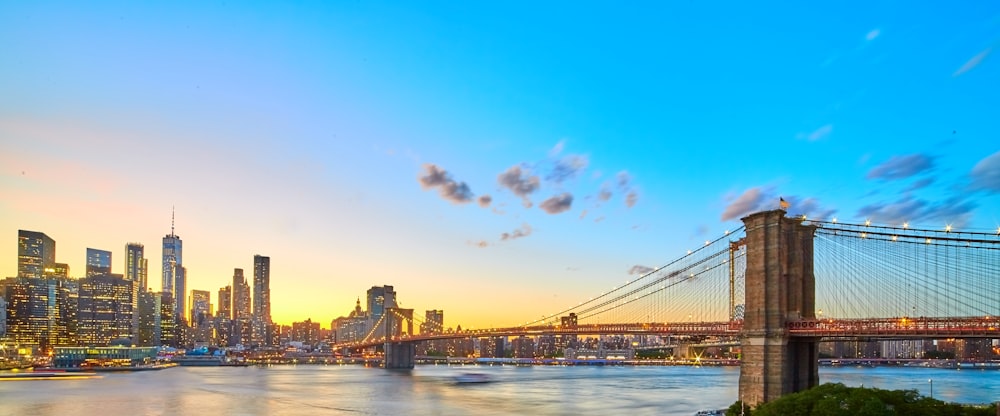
(831, 329)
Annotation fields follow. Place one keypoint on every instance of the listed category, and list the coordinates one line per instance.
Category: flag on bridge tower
(782, 203)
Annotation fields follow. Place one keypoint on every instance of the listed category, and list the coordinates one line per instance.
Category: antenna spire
(171, 220)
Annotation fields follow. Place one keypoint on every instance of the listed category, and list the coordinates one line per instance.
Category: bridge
(778, 286)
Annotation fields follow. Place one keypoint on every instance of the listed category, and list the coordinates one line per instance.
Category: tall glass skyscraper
(261, 301)
(98, 262)
(35, 252)
(172, 261)
(135, 266)
(262, 287)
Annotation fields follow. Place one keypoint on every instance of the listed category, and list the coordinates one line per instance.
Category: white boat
(719, 412)
(467, 378)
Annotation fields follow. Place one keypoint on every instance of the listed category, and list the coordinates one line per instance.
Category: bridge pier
(400, 355)
(780, 287)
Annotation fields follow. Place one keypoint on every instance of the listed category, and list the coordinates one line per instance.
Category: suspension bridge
(779, 285)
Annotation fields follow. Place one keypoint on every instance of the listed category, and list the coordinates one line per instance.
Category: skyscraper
(200, 307)
(225, 303)
(135, 266)
(98, 262)
(262, 288)
(261, 301)
(180, 296)
(224, 316)
(35, 252)
(242, 329)
(379, 299)
(105, 309)
(135, 274)
(172, 258)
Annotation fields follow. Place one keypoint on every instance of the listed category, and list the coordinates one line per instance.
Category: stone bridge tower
(780, 287)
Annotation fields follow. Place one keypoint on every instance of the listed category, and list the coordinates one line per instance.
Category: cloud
(568, 167)
(631, 198)
(605, 193)
(986, 173)
(557, 204)
(752, 200)
(435, 177)
(523, 231)
(480, 243)
(759, 199)
(901, 167)
(583, 214)
(809, 207)
(817, 134)
(485, 200)
(521, 183)
(640, 269)
(956, 211)
(557, 149)
(623, 179)
(921, 184)
(973, 62)
(872, 35)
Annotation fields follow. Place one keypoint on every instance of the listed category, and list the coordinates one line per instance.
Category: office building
(433, 322)
(380, 298)
(105, 309)
(40, 311)
(180, 294)
(98, 262)
(261, 301)
(35, 252)
(241, 311)
(172, 260)
(201, 307)
(136, 266)
(148, 319)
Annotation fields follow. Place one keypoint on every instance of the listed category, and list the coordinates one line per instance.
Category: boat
(471, 378)
(201, 357)
(718, 412)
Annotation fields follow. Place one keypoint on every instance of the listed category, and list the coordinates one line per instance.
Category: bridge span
(765, 286)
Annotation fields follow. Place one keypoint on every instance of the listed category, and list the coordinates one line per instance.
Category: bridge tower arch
(780, 287)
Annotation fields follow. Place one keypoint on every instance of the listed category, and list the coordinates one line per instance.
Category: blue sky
(353, 141)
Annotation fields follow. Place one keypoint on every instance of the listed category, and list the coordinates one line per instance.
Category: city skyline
(463, 158)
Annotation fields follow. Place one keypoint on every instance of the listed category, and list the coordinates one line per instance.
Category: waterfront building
(172, 259)
(119, 355)
(492, 347)
(433, 322)
(523, 346)
(35, 252)
(148, 319)
(136, 272)
(168, 320)
(307, 332)
(262, 334)
(40, 311)
(104, 309)
(352, 327)
(98, 262)
(3, 315)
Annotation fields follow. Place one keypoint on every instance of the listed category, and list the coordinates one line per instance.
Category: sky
(497, 160)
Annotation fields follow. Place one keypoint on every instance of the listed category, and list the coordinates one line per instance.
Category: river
(430, 390)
